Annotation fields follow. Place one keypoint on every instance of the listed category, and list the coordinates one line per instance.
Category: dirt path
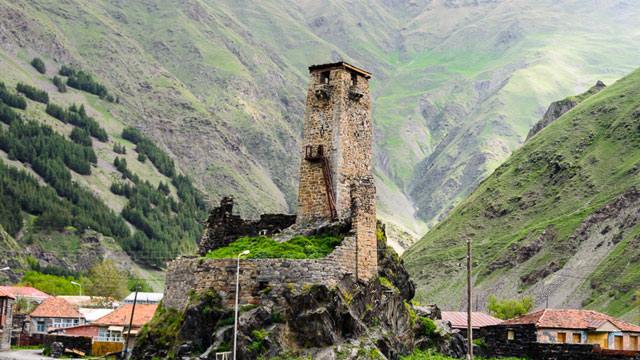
(23, 355)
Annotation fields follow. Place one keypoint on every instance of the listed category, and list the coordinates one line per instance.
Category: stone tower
(336, 182)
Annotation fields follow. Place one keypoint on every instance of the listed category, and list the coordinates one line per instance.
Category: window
(354, 79)
(324, 77)
(577, 338)
(562, 338)
(633, 342)
(511, 335)
(40, 326)
(104, 334)
(617, 343)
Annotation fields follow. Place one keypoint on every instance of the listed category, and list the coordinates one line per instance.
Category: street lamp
(235, 325)
(79, 286)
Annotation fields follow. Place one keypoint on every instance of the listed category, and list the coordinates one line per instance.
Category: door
(633, 342)
(598, 339)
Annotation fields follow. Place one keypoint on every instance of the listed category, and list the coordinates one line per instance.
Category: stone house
(583, 332)
(54, 313)
(6, 322)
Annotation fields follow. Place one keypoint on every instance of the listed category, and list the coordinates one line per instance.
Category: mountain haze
(221, 84)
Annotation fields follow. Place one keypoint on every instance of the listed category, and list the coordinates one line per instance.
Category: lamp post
(235, 325)
(80, 289)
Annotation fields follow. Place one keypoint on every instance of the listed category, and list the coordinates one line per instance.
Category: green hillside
(220, 85)
(559, 219)
(77, 185)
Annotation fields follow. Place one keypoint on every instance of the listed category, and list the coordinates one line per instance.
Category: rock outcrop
(559, 108)
(353, 320)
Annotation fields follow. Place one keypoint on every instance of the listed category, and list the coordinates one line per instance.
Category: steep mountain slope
(78, 186)
(220, 84)
(559, 220)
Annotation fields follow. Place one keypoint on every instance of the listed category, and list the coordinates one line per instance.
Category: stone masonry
(336, 187)
(223, 227)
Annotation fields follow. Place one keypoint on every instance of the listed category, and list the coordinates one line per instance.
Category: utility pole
(133, 310)
(469, 304)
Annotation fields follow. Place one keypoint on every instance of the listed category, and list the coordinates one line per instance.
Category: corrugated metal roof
(458, 319)
(144, 297)
(91, 314)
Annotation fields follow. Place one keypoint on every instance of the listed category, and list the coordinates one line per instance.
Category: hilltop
(558, 220)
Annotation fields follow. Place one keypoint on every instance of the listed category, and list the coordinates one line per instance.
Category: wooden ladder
(318, 156)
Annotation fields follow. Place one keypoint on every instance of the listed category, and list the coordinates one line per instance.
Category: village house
(479, 320)
(114, 327)
(6, 321)
(564, 331)
(25, 292)
(54, 313)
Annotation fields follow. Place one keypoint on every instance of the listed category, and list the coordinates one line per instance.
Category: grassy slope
(597, 145)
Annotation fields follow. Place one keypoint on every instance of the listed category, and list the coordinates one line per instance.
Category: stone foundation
(194, 275)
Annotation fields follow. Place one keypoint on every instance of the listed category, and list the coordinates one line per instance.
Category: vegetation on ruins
(262, 247)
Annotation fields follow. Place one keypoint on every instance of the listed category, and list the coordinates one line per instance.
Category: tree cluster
(33, 93)
(82, 80)
(80, 136)
(7, 114)
(509, 308)
(78, 116)
(13, 100)
(144, 146)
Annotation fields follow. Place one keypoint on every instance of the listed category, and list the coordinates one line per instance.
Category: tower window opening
(324, 77)
(354, 79)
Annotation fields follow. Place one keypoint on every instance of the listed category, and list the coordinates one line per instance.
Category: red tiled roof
(122, 315)
(25, 291)
(570, 319)
(54, 307)
(478, 319)
(6, 294)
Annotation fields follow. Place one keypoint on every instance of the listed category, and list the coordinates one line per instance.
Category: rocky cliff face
(354, 320)
(559, 108)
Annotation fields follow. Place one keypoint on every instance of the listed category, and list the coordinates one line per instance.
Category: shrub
(33, 93)
(119, 148)
(57, 112)
(38, 64)
(510, 308)
(60, 84)
(428, 327)
(132, 134)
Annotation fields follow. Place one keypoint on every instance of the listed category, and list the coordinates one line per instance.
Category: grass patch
(262, 247)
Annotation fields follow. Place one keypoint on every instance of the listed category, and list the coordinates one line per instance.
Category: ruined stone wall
(223, 227)
(363, 208)
(6, 322)
(188, 275)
